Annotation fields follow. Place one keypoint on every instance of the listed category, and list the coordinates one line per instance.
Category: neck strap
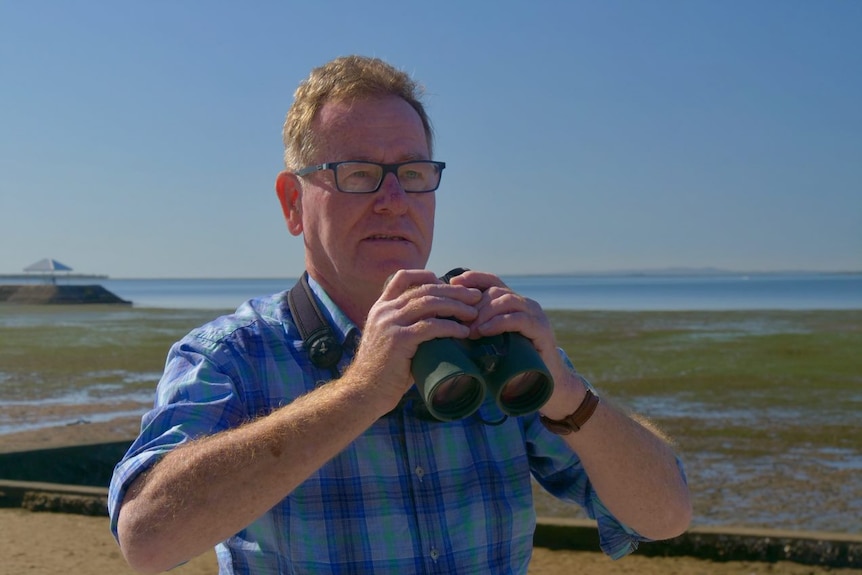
(318, 338)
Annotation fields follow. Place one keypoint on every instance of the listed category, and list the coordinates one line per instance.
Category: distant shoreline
(658, 273)
(683, 272)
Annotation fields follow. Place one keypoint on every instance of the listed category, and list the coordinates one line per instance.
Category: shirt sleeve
(560, 472)
(196, 396)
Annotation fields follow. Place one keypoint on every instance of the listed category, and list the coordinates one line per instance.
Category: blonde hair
(348, 78)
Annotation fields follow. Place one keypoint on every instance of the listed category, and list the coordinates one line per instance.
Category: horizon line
(698, 271)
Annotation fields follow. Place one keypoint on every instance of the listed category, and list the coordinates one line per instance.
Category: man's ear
(289, 192)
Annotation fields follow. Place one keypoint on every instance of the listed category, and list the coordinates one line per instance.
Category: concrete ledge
(37, 496)
(40, 294)
(718, 543)
(73, 465)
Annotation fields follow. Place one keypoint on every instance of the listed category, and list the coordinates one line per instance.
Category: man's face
(356, 241)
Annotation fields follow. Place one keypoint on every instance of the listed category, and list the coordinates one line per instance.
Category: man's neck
(354, 301)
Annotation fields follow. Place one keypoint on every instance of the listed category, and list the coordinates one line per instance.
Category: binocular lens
(453, 376)
(456, 395)
(524, 390)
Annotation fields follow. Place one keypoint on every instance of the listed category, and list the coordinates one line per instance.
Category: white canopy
(48, 269)
(47, 265)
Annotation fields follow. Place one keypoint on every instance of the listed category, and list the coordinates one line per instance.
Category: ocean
(643, 292)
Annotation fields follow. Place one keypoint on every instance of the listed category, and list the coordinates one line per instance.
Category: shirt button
(435, 554)
(419, 472)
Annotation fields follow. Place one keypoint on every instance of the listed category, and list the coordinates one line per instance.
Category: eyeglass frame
(387, 169)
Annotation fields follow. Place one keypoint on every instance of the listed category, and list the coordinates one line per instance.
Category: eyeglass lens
(364, 177)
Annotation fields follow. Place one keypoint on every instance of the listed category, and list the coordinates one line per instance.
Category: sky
(142, 139)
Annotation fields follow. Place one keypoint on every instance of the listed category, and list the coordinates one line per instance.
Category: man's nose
(391, 195)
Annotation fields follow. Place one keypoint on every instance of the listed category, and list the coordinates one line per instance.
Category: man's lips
(387, 237)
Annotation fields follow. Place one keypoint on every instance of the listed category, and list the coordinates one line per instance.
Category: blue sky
(142, 139)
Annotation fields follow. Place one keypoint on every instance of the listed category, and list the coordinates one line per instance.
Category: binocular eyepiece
(454, 376)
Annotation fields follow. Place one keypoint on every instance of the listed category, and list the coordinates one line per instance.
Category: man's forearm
(634, 472)
(210, 489)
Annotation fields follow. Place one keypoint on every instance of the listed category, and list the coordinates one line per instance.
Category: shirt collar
(348, 333)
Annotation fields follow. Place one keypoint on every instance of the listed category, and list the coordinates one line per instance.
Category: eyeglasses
(366, 177)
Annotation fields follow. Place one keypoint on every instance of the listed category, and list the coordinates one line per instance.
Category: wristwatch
(576, 420)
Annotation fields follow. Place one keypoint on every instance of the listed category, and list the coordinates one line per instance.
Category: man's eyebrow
(410, 157)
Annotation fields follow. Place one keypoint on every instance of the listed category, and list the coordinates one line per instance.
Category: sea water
(612, 292)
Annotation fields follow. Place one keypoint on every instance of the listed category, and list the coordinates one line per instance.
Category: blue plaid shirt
(407, 496)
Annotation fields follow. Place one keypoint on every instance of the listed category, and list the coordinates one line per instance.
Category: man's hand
(415, 306)
(502, 310)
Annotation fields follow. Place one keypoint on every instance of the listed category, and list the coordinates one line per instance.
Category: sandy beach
(57, 543)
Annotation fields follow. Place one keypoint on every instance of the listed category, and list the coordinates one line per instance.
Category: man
(286, 469)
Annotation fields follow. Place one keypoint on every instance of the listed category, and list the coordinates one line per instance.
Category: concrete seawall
(717, 543)
(39, 294)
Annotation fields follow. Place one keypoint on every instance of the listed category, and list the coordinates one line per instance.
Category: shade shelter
(49, 268)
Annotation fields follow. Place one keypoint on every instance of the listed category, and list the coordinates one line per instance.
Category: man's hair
(349, 78)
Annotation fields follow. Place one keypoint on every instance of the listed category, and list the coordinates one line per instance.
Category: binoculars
(453, 376)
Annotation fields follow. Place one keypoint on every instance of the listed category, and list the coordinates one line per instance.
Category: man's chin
(382, 271)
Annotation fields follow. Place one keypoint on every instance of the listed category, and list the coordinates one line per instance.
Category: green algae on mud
(48, 352)
(763, 405)
(768, 362)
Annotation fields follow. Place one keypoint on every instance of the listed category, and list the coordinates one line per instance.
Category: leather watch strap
(576, 420)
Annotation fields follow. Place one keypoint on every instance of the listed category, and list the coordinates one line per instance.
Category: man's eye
(358, 173)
